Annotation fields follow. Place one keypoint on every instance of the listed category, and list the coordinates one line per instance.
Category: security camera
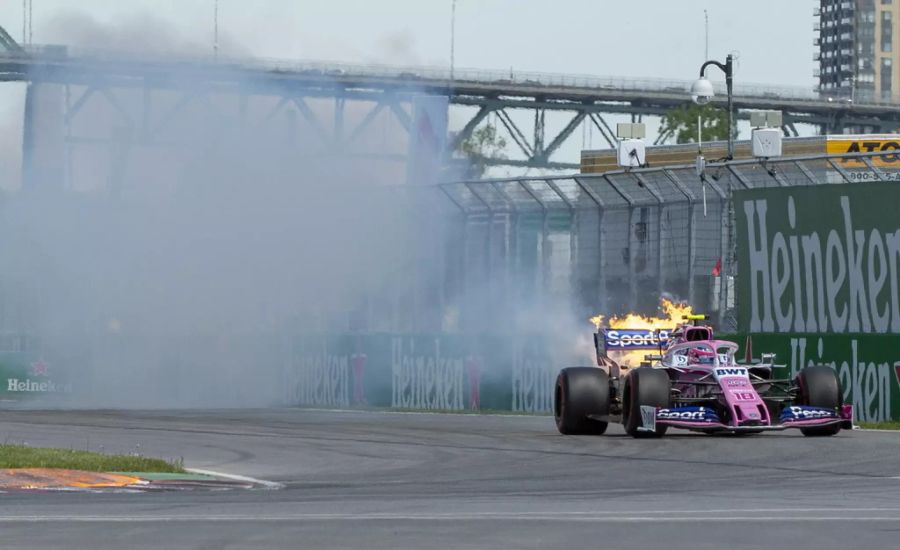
(702, 91)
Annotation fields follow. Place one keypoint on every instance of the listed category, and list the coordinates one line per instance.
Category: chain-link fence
(608, 243)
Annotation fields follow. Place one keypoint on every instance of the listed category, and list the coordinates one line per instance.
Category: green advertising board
(822, 258)
(494, 372)
(23, 371)
(868, 365)
(424, 371)
(817, 283)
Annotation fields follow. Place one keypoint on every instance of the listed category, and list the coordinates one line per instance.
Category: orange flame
(673, 314)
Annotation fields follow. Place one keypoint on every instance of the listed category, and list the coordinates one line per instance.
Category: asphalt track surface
(392, 480)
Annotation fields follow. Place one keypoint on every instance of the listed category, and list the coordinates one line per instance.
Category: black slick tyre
(819, 387)
(644, 387)
(581, 392)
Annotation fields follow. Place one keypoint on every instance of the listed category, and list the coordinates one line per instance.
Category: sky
(659, 38)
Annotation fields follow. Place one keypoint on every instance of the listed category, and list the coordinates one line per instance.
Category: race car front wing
(706, 419)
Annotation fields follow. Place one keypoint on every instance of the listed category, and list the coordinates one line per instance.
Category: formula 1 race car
(692, 382)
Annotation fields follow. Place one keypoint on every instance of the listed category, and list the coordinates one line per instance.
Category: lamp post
(216, 30)
(452, 38)
(702, 92)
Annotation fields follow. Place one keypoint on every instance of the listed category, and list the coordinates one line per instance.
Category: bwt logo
(734, 371)
(635, 339)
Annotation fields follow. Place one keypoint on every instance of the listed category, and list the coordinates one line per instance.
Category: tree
(481, 145)
(681, 123)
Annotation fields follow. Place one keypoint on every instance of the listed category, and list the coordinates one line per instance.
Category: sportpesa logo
(635, 339)
(808, 413)
(690, 414)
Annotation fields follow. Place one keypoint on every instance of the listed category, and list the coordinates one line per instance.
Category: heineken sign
(820, 259)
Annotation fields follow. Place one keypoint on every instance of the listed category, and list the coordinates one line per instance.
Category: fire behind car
(693, 382)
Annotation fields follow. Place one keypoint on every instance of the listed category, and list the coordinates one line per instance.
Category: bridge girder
(582, 105)
(8, 46)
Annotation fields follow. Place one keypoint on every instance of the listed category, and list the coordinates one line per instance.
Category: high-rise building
(856, 54)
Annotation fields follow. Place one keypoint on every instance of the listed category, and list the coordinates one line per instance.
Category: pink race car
(693, 382)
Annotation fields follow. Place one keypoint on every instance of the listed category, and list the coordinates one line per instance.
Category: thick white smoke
(170, 267)
(168, 262)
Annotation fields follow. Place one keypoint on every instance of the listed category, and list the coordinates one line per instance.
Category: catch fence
(608, 243)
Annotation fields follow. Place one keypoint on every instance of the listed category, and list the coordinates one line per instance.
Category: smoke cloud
(164, 263)
(133, 33)
(167, 262)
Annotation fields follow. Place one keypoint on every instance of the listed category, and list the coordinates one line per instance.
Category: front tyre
(819, 387)
(645, 387)
(581, 392)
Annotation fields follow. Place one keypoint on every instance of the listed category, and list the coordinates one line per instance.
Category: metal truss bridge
(513, 98)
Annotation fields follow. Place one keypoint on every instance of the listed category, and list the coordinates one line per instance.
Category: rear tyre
(648, 387)
(819, 387)
(580, 392)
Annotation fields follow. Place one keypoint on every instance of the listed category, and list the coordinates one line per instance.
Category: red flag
(717, 270)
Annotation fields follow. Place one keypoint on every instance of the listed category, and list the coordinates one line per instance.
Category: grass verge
(879, 425)
(24, 456)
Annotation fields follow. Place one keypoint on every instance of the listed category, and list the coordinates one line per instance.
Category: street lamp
(452, 38)
(702, 92)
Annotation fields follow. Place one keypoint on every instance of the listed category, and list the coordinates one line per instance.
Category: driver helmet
(702, 356)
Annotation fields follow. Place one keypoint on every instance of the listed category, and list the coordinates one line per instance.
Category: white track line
(476, 413)
(462, 413)
(235, 477)
(585, 517)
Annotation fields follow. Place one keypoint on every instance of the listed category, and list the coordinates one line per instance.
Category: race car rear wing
(610, 340)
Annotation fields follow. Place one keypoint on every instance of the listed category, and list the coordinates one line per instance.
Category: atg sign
(819, 259)
(869, 143)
